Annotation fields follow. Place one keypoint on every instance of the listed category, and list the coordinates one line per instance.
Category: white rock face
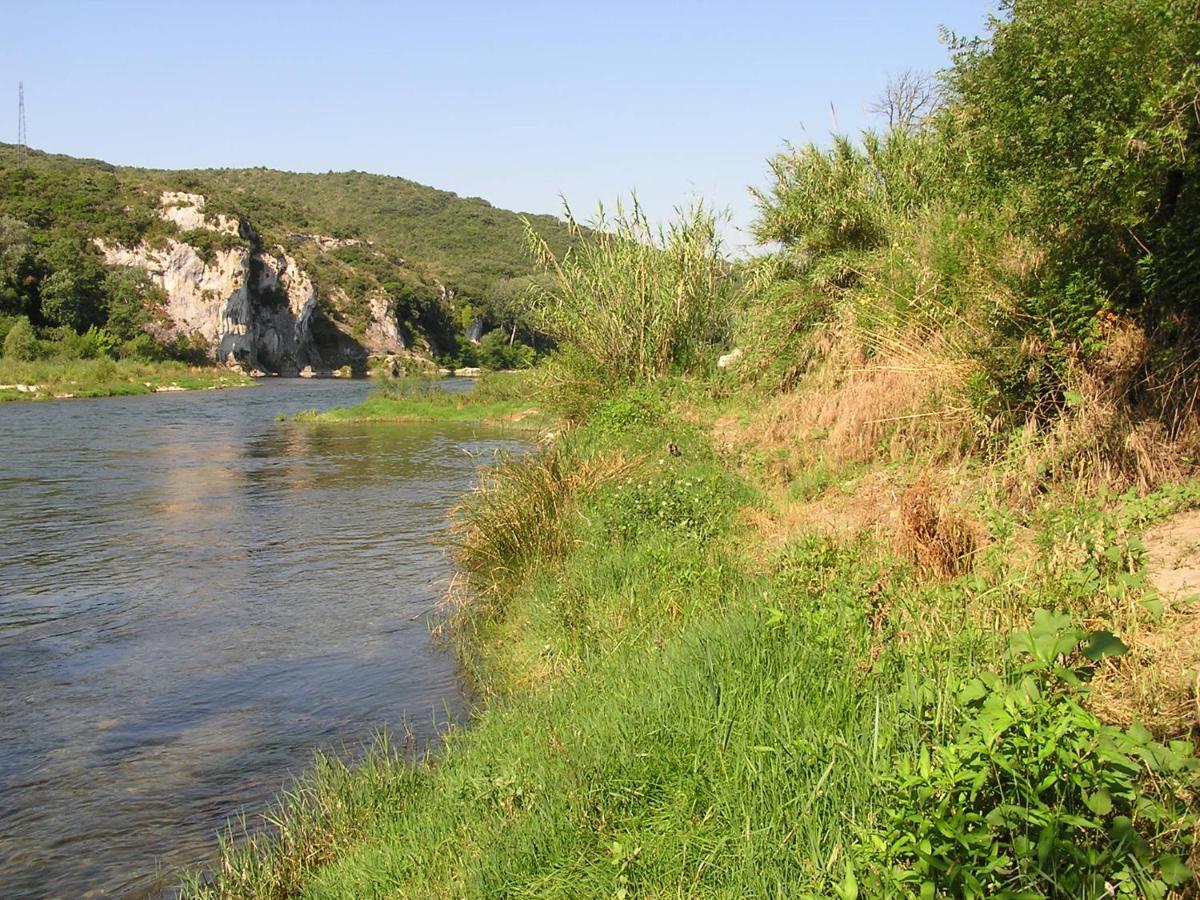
(187, 211)
(255, 309)
(383, 336)
(202, 299)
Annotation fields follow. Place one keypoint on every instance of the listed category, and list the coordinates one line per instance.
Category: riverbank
(57, 379)
(710, 660)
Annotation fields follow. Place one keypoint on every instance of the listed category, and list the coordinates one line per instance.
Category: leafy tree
(18, 266)
(497, 351)
(63, 301)
(21, 342)
(130, 297)
(1083, 115)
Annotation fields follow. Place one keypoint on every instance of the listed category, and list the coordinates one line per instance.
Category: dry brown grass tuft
(1113, 431)
(1157, 683)
(939, 541)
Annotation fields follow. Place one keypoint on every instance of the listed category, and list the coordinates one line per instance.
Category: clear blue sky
(516, 102)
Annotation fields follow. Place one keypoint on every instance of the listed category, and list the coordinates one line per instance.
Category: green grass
(671, 710)
(499, 400)
(60, 378)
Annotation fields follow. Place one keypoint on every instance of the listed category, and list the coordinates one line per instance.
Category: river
(195, 596)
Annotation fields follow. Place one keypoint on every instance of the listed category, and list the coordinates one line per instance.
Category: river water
(194, 597)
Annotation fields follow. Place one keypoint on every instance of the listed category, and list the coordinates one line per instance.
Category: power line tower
(22, 140)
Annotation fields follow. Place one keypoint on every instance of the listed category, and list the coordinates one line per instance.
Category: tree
(62, 300)
(21, 342)
(909, 100)
(130, 296)
(18, 266)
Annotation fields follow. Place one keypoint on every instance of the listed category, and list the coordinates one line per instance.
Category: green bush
(21, 342)
(142, 347)
(1080, 115)
(495, 352)
(1036, 797)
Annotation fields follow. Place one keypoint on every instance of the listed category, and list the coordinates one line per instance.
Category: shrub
(21, 342)
(496, 352)
(1081, 113)
(143, 347)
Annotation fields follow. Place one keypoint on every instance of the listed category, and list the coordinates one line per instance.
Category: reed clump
(635, 300)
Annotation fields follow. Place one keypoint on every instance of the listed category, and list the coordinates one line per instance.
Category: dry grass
(869, 504)
(520, 513)
(1158, 682)
(1117, 429)
(939, 541)
(905, 399)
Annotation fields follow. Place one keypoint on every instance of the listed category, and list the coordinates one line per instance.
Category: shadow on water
(193, 598)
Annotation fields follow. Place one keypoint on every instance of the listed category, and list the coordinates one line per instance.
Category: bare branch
(908, 100)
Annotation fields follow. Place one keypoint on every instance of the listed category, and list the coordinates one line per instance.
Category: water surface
(193, 598)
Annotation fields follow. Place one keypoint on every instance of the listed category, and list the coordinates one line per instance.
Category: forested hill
(437, 258)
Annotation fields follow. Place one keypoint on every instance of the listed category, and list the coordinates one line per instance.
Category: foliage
(1083, 115)
(495, 351)
(21, 343)
(640, 302)
(846, 198)
(131, 298)
(1035, 796)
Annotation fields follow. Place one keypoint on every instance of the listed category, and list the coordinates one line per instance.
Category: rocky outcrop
(253, 308)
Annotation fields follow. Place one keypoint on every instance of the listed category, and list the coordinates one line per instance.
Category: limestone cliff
(252, 307)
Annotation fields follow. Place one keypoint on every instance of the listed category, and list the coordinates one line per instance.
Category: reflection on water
(194, 597)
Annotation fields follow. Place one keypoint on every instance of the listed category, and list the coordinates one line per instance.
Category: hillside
(300, 269)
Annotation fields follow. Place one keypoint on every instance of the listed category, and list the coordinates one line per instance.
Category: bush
(642, 302)
(495, 352)
(143, 347)
(21, 342)
(1081, 115)
(6, 323)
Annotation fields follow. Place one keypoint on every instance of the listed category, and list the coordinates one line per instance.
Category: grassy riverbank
(501, 400)
(704, 680)
(50, 379)
(901, 602)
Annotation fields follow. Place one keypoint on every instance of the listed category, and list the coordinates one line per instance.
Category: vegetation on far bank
(63, 363)
(872, 612)
(501, 399)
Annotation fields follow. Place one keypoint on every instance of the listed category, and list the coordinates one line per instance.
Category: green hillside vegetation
(871, 612)
(440, 260)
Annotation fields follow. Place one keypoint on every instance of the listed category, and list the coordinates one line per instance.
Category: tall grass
(640, 301)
